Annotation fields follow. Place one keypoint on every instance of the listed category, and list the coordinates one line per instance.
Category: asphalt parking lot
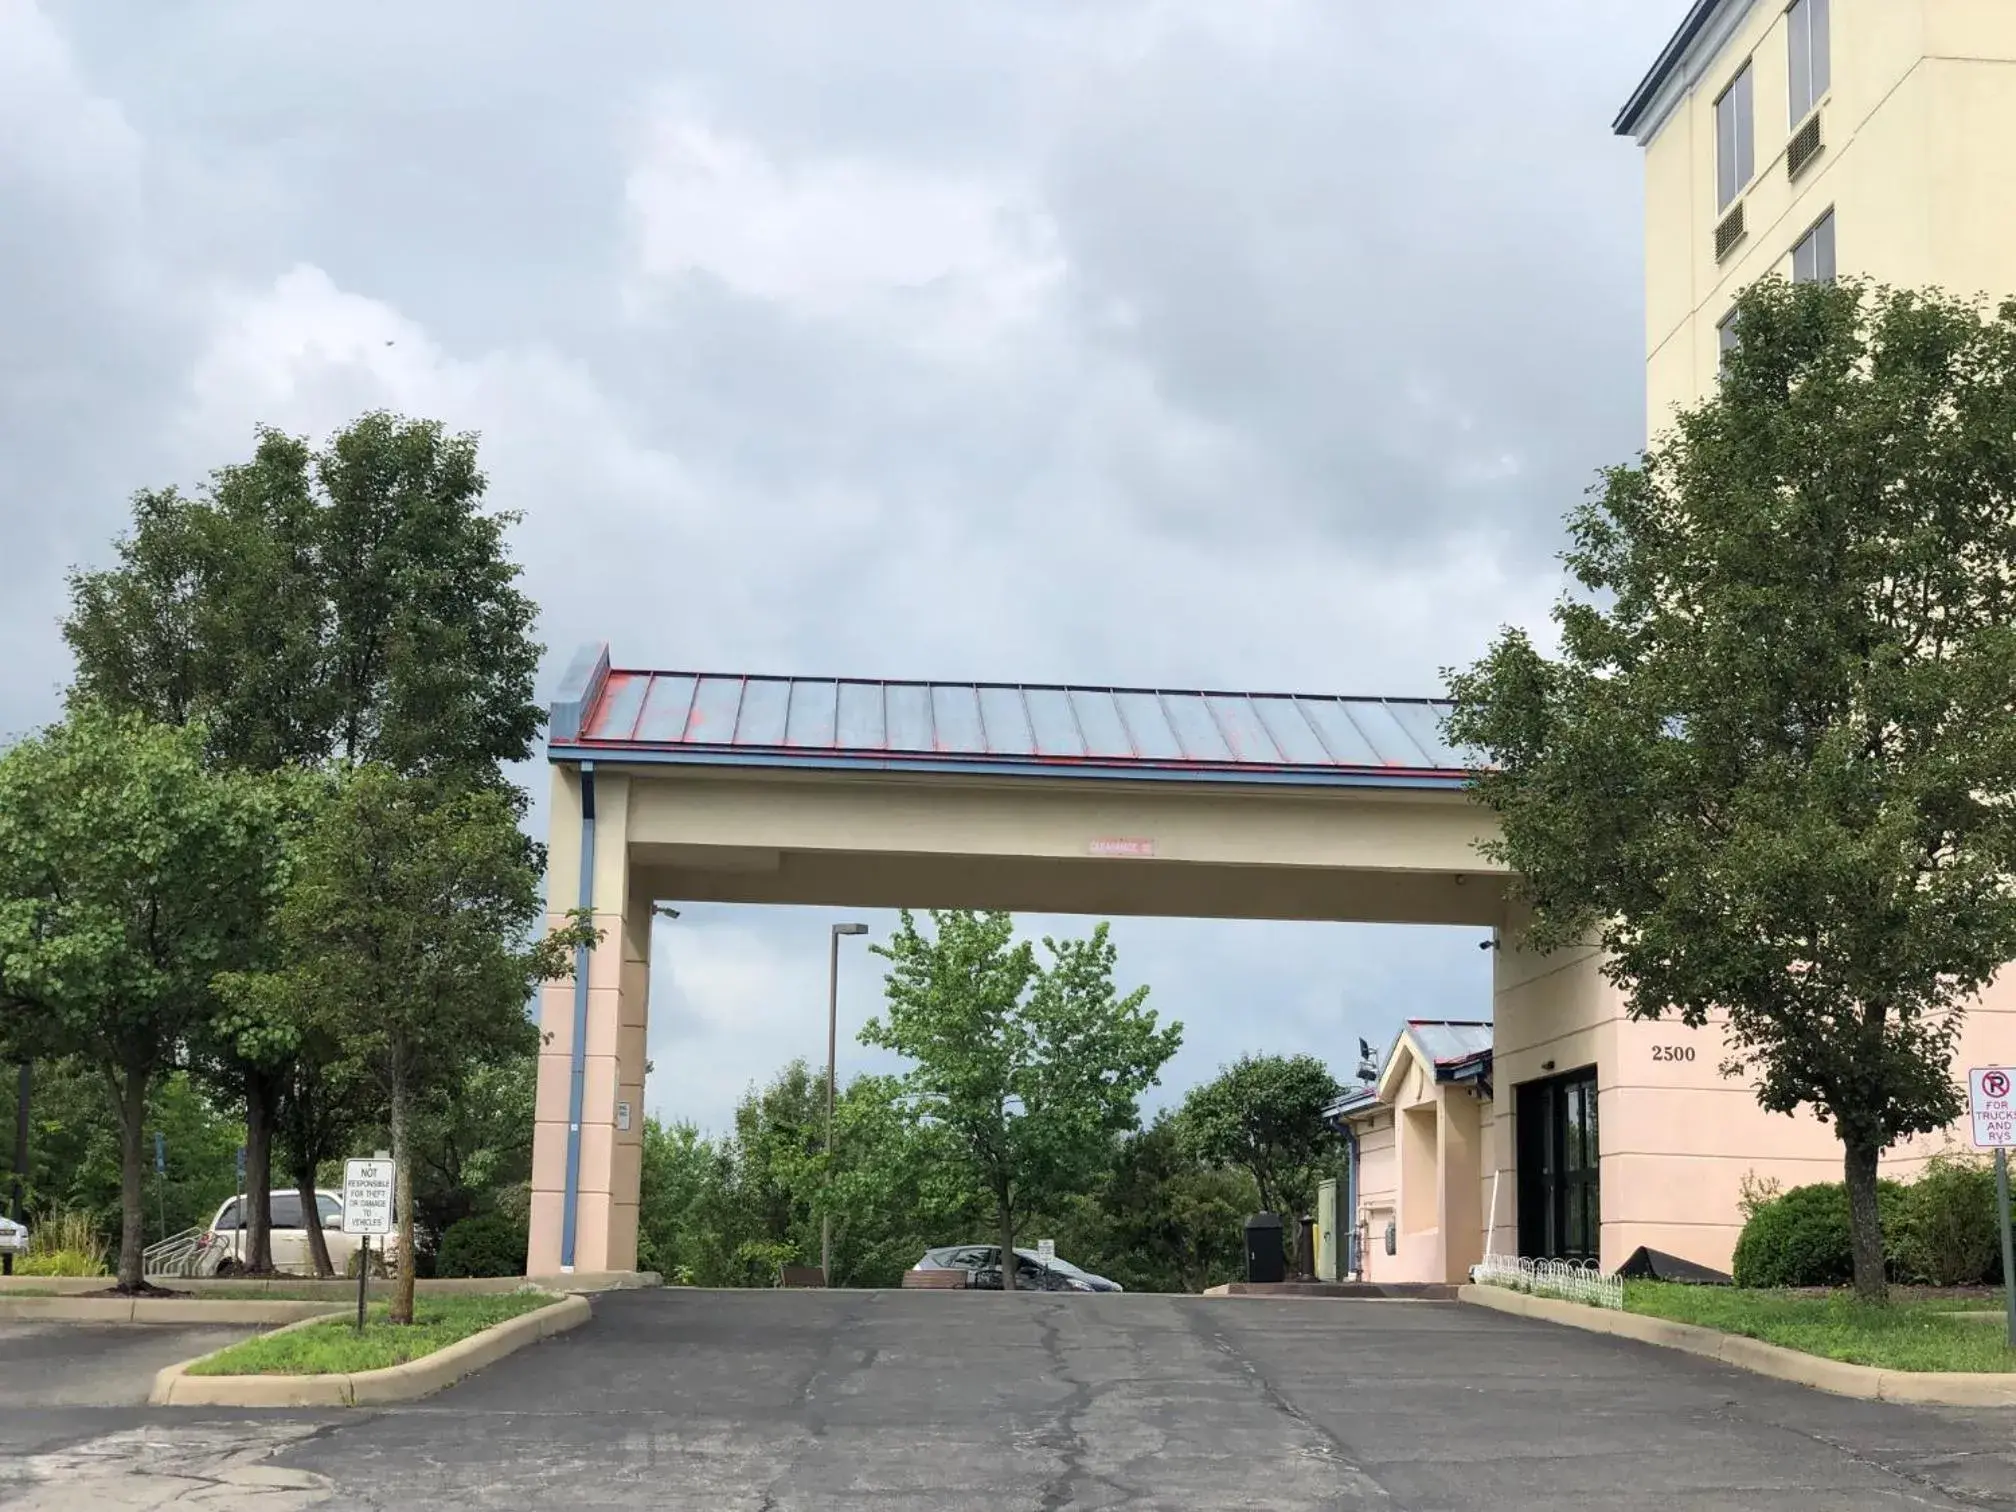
(92, 1365)
(902, 1402)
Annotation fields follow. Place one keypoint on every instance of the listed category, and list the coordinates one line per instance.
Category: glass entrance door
(1560, 1196)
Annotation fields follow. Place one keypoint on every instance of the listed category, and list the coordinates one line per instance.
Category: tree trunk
(402, 1198)
(299, 1115)
(1865, 1224)
(132, 1104)
(1007, 1248)
(318, 1242)
(259, 1101)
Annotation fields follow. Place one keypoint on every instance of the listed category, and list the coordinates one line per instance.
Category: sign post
(1046, 1251)
(161, 1181)
(367, 1211)
(1991, 1099)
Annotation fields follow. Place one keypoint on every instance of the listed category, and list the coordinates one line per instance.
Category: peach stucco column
(604, 1146)
(1458, 1164)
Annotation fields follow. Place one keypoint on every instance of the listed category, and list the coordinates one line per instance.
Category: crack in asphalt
(1897, 1469)
(1328, 1444)
(1064, 1438)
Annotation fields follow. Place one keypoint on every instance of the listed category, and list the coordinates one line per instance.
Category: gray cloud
(1119, 340)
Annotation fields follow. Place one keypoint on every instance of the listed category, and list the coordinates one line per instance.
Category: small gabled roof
(1456, 1050)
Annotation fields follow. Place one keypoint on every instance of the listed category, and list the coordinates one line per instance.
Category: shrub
(1755, 1192)
(1801, 1238)
(66, 1244)
(1946, 1224)
(758, 1261)
(488, 1244)
(61, 1263)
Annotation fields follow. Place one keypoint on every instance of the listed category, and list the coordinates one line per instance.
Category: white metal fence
(1570, 1280)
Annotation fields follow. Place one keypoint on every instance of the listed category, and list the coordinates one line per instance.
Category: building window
(1560, 1188)
(1813, 258)
(1806, 36)
(1735, 139)
(1725, 339)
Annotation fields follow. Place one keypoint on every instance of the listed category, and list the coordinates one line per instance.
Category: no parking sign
(1992, 1100)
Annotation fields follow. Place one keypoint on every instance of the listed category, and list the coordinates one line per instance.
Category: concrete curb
(339, 1287)
(175, 1387)
(1923, 1387)
(157, 1310)
(1335, 1291)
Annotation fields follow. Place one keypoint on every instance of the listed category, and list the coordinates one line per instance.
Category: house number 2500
(1672, 1052)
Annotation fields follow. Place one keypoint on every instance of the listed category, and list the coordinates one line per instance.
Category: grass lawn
(335, 1347)
(1909, 1334)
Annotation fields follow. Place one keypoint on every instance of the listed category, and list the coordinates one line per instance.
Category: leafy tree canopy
(351, 601)
(406, 933)
(1264, 1114)
(1031, 1068)
(132, 876)
(1772, 770)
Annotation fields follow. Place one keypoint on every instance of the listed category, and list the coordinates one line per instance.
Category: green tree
(131, 876)
(776, 1152)
(683, 1205)
(472, 1144)
(1772, 772)
(1030, 1068)
(404, 928)
(348, 603)
(1264, 1114)
(898, 1188)
(75, 1152)
(327, 1095)
(1161, 1220)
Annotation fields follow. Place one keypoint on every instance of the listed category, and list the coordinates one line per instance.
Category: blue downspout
(578, 1079)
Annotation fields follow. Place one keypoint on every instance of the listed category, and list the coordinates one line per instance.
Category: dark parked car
(982, 1264)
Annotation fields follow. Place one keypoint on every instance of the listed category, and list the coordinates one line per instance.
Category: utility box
(1326, 1229)
(1265, 1259)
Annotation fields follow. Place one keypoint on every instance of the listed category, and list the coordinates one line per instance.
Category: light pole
(832, 1054)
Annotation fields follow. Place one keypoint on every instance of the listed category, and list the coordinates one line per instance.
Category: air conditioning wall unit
(1729, 232)
(1804, 146)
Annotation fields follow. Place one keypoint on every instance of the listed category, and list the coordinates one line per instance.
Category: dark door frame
(1559, 1171)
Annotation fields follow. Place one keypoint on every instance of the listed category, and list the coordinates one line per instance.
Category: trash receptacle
(1265, 1260)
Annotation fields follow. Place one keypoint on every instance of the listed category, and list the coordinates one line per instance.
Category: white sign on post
(1046, 1250)
(1991, 1098)
(367, 1197)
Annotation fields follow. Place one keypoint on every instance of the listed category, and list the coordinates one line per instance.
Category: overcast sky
(1232, 343)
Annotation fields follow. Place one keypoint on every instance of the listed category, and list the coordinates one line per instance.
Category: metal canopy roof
(697, 718)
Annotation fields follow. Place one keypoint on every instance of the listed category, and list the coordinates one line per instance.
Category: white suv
(223, 1247)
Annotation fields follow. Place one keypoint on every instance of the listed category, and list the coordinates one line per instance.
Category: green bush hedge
(1945, 1225)
(489, 1244)
(1938, 1231)
(1801, 1238)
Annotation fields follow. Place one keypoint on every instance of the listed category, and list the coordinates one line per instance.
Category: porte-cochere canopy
(697, 718)
(857, 794)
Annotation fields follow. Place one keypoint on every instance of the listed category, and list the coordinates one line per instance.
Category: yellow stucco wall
(1916, 129)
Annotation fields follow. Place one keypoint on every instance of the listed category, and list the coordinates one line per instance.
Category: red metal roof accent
(744, 717)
